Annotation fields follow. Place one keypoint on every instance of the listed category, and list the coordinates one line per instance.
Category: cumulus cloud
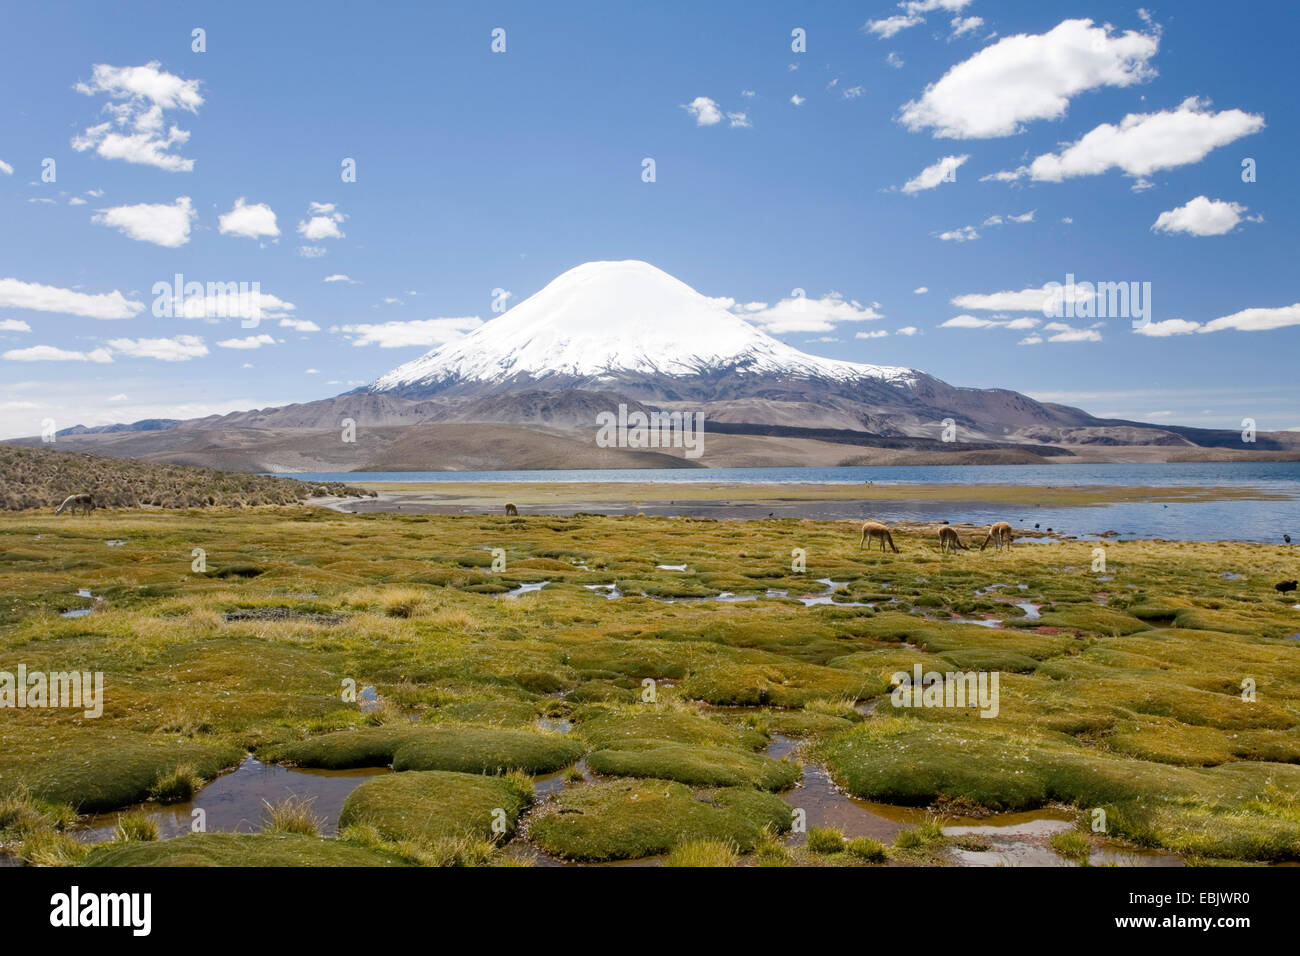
(920, 290)
(801, 314)
(14, 325)
(322, 223)
(138, 100)
(233, 304)
(1168, 327)
(914, 12)
(876, 334)
(6, 168)
(1200, 217)
(180, 348)
(1026, 300)
(964, 25)
(1143, 143)
(908, 330)
(798, 100)
(337, 277)
(161, 224)
(1256, 320)
(705, 110)
(249, 221)
(47, 298)
(1027, 77)
(48, 353)
(299, 325)
(248, 342)
(945, 170)
(964, 234)
(1064, 333)
(422, 332)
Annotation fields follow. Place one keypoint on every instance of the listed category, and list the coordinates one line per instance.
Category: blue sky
(775, 170)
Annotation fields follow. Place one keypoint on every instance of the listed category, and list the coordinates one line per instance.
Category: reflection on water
(234, 801)
(1006, 839)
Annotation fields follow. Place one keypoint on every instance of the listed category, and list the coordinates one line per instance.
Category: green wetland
(332, 689)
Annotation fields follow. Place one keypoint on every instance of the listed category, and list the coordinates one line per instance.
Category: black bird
(1286, 538)
(1035, 527)
(1285, 586)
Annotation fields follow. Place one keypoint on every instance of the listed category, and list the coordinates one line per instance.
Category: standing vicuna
(948, 540)
(511, 510)
(73, 502)
(873, 530)
(1000, 535)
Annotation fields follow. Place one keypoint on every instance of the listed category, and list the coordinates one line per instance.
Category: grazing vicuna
(873, 530)
(511, 510)
(948, 540)
(73, 502)
(999, 534)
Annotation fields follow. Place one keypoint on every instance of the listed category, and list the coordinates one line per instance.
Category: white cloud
(934, 174)
(920, 290)
(968, 322)
(14, 325)
(337, 277)
(800, 314)
(705, 111)
(977, 322)
(876, 334)
(853, 92)
(1030, 340)
(233, 305)
(249, 221)
(6, 168)
(739, 119)
(1067, 334)
(1028, 77)
(891, 26)
(48, 353)
(798, 100)
(180, 348)
(422, 332)
(913, 14)
(1256, 320)
(894, 60)
(299, 325)
(964, 234)
(748, 94)
(312, 252)
(76, 201)
(1161, 330)
(963, 25)
(138, 99)
(161, 224)
(1200, 217)
(322, 223)
(1026, 300)
(248, 342)
(47, 298)
(1143, 143)
(908, 330)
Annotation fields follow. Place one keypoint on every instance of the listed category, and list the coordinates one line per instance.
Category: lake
(1242, 520)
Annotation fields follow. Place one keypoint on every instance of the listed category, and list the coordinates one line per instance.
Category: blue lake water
(1240, 520)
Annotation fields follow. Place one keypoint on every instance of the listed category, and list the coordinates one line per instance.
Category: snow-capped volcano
(603, 322)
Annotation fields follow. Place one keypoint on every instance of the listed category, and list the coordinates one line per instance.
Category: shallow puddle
(525, 589)
(81, 611)
(234, 801)
(1013, 839)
